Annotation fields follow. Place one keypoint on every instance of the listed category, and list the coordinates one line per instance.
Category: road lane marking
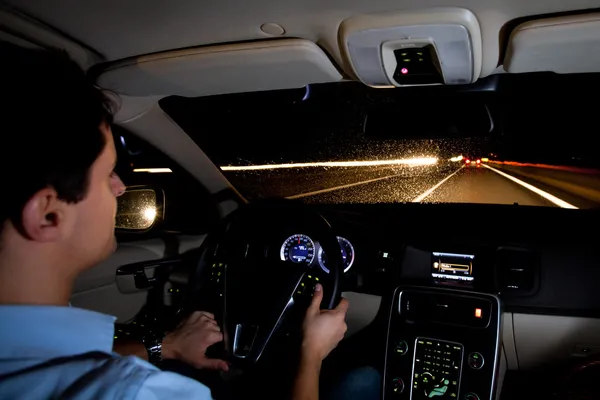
(426, 193)
(546, 195)
(298, 196)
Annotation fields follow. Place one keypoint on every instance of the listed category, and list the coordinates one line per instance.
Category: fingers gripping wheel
(255, 290)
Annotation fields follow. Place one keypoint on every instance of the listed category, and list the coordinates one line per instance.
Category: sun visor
(563, 45)
(246, 67)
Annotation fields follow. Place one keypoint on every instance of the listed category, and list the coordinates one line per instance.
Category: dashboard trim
(550, 311)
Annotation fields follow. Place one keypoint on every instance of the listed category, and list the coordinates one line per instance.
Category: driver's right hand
(188, 343)
(323, 329)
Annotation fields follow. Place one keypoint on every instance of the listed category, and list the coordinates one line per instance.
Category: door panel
(96, 288)
(544, 339)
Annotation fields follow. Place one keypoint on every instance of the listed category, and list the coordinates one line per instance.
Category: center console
(442, 343)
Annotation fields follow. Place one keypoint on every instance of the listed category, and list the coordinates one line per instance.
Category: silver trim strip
(470, 256)
(289, 304)
(238, 327)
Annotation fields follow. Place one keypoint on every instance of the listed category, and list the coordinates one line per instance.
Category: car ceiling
(120, 29)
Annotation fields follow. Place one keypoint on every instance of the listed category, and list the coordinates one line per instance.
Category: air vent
(516, 270)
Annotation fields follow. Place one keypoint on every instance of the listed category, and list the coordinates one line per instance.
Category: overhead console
(427, 47)
(442, 344)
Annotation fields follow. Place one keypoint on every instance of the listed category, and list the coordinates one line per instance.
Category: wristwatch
(153, 345)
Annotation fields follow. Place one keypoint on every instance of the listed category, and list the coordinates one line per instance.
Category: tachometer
(299, 249)
(347, 255)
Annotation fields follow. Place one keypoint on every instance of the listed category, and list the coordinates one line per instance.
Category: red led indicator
(478, 313)
(404, 71)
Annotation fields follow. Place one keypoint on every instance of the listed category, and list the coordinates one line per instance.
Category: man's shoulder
(159, 384)
(97, 376)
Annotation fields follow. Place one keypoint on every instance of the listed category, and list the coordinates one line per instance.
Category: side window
(186, 207)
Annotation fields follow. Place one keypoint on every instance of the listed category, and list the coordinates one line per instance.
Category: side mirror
(139, 208)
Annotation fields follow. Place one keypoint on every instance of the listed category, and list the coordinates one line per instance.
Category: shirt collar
(44, 332)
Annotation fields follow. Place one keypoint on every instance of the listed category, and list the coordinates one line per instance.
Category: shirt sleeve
(160, 385)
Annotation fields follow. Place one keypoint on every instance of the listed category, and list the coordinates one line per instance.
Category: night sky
(542, 118)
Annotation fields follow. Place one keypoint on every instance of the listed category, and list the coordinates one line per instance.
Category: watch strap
(154, 348)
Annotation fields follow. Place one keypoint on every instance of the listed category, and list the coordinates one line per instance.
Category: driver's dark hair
(50, 116)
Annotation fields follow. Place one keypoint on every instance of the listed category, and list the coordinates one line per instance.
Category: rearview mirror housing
(429, 119)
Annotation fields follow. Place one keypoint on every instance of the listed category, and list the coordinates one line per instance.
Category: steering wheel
(579, 380)
(240, 271)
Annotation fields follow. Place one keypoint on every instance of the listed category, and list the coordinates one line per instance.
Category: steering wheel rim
(249, 319)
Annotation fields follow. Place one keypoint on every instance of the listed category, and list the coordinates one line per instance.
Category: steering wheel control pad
(306, 290)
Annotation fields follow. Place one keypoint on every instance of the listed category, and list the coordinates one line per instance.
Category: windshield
(530, 141)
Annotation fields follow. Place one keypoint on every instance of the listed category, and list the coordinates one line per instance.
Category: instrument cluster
(301, 249)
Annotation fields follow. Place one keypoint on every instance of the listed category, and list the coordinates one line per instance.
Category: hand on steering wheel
(323, 329)
(188, 343)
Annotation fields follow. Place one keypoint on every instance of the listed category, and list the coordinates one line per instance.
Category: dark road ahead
(483, 185)
(445, 182)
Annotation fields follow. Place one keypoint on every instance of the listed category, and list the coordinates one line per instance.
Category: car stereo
(452, 267)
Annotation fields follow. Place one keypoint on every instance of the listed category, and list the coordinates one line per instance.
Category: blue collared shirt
(62, 352)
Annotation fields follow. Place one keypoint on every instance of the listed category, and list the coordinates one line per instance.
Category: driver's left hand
(188, 343)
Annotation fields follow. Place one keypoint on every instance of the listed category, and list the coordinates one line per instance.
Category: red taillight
(467, 161)
(478, 161)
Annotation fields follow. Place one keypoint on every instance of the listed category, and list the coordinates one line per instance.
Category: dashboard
(440, 282)
(539, 260)
(444, 286)
(424, 279)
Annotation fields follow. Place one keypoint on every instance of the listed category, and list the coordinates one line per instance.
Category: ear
(43, 217)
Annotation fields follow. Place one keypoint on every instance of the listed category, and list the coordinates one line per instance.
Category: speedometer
(347, 255)
(299, 249)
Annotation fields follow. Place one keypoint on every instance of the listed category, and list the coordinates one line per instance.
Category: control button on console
(475, 360)
(397, 385)
(401, 348)
(471, 396)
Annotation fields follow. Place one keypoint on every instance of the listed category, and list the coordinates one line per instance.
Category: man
(57, 219)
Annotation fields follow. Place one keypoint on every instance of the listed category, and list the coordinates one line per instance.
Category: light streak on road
(153, 170)
(411, 162)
